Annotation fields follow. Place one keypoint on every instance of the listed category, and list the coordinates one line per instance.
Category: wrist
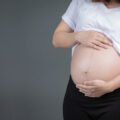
(77, 36)
(111, 86)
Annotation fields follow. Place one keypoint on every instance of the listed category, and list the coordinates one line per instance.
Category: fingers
(94, 46)
(89, 83)
(87, 88)
(100, 44)
(87, 93)
(84, 91)
(99, 41)
(104, 40)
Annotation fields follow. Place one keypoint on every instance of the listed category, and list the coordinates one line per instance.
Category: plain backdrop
(33, 74)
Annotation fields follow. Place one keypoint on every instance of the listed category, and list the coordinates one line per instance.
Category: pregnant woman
(92, 29)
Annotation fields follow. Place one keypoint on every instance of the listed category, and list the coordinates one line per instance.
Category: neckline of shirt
(105, 7)
(110, 9)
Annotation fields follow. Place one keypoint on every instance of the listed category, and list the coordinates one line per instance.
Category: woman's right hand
(93, 39)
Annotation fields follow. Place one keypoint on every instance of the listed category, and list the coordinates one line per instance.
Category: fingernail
(111, 44)
(105, 47)
(84, 83)
(76, 86)
(99, 49)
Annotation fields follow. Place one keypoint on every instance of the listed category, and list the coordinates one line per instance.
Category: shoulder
(79, 2)
(83, 1)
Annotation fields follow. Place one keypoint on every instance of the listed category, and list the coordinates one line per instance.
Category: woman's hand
(94, 88)
(93, 39)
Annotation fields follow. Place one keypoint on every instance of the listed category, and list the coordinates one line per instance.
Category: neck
(113, 4)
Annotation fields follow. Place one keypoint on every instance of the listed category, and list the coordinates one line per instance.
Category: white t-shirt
(88, 15)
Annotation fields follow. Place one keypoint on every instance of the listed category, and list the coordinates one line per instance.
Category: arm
(114, 83)
(64, 37)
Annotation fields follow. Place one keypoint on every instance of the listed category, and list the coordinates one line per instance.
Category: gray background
(33, 74)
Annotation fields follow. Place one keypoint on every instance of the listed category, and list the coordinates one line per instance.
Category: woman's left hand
(94, 88)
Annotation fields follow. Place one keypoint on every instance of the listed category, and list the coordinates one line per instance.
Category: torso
(102, 19)
(88, 63)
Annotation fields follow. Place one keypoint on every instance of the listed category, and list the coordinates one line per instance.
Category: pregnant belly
(88, 63)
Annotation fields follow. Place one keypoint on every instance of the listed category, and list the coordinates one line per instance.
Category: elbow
(54, 42)
(55, 45)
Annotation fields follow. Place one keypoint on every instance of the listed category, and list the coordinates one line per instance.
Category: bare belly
(88, 64)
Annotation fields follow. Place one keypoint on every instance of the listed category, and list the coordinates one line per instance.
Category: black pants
(76, 106)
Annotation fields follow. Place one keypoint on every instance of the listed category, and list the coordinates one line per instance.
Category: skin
(94, 88)
(97, 88)
(91, 86)
(113, 4)
(65, 37)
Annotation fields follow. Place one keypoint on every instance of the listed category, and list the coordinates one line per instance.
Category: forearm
(64, 39)
(115, 83)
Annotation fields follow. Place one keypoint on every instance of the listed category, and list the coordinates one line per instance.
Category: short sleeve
(71, 13)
